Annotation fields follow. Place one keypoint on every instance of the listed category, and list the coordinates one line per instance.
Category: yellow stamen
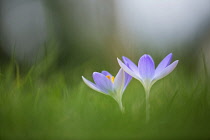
(110, 78)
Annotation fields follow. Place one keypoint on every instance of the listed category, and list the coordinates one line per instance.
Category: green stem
(147, 105)
(121, 107)
(118, 98)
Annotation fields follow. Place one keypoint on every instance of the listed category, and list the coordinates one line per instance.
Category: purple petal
(146, 67)
(102, 82)
(163, 64)
(166, 71)
(130, 64)
(119, 81)
(106, 73)
(90, 84)
(129, 71)
(127, 80)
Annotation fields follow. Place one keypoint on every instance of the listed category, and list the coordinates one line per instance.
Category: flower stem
(118, 99)
(147, 105)
(121, 107)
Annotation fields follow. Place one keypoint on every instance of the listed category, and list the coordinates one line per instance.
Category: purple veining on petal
(163, 64)
(146, 67)
(102, 82)
(106, 73)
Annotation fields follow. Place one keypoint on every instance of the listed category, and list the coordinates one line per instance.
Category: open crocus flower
(110, 85)
(146, 72)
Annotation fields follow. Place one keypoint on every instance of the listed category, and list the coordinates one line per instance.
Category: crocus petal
(106, 73)
(129, 71)
(91, 85)
(166, 71)
(163, 64)
(130, 64)
(127, 80)
(146, 67)
(102, 82)
(119, 81)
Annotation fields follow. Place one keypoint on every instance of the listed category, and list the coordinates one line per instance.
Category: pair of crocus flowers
(145, 72)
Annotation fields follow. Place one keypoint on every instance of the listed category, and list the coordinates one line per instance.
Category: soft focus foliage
(58, 105)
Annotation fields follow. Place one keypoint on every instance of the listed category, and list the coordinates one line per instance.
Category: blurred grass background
(58, 105)
(47, 45)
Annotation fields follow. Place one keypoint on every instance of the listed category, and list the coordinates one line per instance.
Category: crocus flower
(110, 85)
(146, 72)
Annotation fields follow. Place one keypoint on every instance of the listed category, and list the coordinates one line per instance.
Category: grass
(48, 104)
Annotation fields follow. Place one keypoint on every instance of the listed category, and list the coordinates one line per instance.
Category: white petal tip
(176, 62)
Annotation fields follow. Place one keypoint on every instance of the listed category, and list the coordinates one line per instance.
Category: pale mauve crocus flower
(146, 72)
(109, 85)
